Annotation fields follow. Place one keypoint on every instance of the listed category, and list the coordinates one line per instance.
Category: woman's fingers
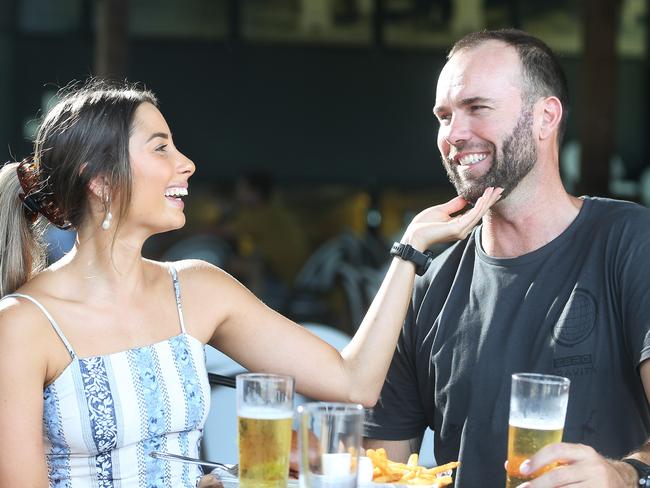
(483, 204)
(435, 224)
(469, 219)
(209, 481)
(454, 205)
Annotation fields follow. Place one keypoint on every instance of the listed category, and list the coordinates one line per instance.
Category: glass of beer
(264, 418)
(329, 442)
(538, 404)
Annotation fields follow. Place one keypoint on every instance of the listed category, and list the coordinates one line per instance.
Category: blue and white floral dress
(104, 415)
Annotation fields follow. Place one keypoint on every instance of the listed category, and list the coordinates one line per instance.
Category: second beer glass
(264, 418)
(329, 444)
(538, 404)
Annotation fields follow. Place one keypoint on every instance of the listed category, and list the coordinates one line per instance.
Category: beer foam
(262, 413)
(537, 423)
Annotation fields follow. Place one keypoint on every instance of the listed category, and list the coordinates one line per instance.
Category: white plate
(395, 485)
(235, 483)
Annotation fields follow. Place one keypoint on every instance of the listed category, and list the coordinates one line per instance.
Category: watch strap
(422, 260)
(642, 469)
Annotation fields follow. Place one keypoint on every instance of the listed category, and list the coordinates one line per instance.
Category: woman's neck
(108, 264)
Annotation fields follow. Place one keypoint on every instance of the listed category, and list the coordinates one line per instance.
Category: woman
(101, 354)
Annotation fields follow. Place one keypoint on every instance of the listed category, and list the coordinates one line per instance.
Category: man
(549, 283)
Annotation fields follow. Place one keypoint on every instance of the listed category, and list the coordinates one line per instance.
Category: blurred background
(310, 120)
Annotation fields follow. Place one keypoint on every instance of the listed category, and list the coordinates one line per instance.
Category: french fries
(387, 471)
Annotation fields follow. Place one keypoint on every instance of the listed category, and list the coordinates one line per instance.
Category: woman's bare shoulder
(47, 289)
(53, 281)
(21, 322)
(210, 295)
(196, 271)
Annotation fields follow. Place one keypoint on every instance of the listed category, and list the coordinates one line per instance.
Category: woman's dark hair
(543, 74)
(83, 137)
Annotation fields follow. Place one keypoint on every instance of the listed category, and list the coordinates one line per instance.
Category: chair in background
(220, 431)
(344, 261)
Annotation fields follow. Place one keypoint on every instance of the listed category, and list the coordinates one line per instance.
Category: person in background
(270, 245)
(549, 283)
(102, 353)
(58, 242)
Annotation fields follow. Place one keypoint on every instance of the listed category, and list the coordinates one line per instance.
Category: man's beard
(509, 167)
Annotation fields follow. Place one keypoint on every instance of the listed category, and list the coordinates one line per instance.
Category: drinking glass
(538, 404)
(264, 418)
(329, 443)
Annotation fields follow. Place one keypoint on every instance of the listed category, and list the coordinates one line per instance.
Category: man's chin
(471, 194)
(470, 191)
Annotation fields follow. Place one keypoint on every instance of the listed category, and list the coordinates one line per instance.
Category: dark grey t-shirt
(577, 307)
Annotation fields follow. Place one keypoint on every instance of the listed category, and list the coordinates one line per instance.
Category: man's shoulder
(601, 206)
(618, 216)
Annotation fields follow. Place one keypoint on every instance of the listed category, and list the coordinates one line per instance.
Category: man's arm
(584, 466)
(395, 450)
(643, 454)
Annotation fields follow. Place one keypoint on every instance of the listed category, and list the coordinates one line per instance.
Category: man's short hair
(543, 75)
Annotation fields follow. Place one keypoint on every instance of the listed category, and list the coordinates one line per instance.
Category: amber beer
(264, 438)
(523, 442)
(538, 404)
(264, 418)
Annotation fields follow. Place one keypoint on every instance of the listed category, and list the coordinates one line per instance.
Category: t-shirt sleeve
(399, 414)
(633, 274)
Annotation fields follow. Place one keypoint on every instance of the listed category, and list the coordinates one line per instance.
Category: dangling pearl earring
(106, 224)
(108, 216)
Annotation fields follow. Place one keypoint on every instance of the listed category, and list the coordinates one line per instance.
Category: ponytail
(21, 241)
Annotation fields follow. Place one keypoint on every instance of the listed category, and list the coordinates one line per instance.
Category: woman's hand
(294, 462)
(436, 224)
(209, 481)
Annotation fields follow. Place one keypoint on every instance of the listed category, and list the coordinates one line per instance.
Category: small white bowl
(364, 475)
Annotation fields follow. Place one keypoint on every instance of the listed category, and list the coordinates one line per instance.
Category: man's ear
(551, 108)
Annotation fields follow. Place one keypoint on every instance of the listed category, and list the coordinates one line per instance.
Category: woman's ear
(551, 117)
(99, 187)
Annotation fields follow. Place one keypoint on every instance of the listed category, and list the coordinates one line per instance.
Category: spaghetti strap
(56, 327)
(177, 293)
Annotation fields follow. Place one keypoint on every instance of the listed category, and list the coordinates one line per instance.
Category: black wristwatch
(422, 260)
(642, 469)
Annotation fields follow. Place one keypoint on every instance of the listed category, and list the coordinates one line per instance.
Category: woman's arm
(263, 340)
(368, 355)
(23, 368)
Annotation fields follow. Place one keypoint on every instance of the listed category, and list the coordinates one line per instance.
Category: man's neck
(527, 220)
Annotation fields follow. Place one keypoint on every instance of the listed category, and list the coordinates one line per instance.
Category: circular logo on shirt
(577, 319)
